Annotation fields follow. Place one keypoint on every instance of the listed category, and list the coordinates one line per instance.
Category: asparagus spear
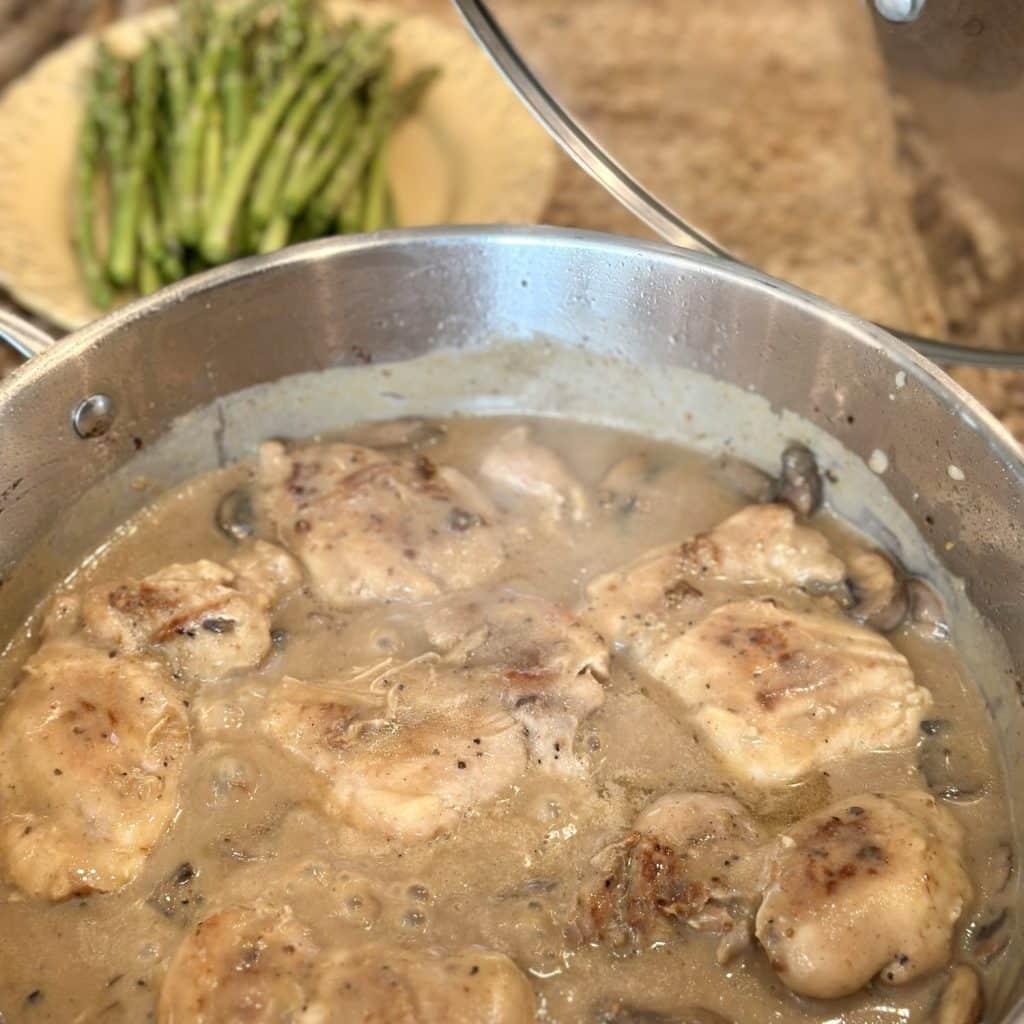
(375, 204)
(391, 209)
(151, 240)
(325, 209)
(175, 65)
(351, 219)
(149, 276)
(216, 240)
(236, 86)
(213, 152)
(193, 128)
(199, 182)
(344, 74)
(128, 191)
(293, 25)
(279, 48)
(275, 235)
(319, 155)
(236, 99)
(163, 198)
(387, 107)
(112, 118)
(87, 167)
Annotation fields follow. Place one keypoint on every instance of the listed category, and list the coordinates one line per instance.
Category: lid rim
(595, 160)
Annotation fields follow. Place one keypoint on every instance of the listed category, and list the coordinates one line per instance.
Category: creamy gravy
(251, 826)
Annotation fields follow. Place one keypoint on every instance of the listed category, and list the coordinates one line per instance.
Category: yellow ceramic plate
(472, 155)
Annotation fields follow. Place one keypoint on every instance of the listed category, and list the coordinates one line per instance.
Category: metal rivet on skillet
(93, 416)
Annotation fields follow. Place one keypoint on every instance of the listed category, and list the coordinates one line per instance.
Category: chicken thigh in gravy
(208, 620)
(410, 779)
(538, 660)
(91, 760)
(870, 885)
(412, 748)
(525, 472)
(261, 966)
(693, 859)
(761, 546)
(779, 693)
(390, 985)
(368, 527)
(256, 965)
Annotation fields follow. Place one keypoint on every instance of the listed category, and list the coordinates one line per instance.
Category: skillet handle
(25, 338)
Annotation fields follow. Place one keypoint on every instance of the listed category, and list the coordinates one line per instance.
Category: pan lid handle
(25, 338)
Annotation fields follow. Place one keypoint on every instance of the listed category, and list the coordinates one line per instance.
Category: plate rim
(544, 154)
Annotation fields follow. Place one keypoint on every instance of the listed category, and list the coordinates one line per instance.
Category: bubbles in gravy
(495, 720)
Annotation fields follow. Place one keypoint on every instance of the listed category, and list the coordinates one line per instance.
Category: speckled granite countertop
(784, 141)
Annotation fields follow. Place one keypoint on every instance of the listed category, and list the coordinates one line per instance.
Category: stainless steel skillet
(535, 320)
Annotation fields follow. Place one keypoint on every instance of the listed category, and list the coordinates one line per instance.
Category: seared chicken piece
(261, 966)
(871, 885)
(639, 482)
(720, 843)
(692, 858)
(761, 545)
(623, 1013)
(509, 628)
(91, 758)
(765, 544)
(409, 752)
(389, 985)
(778, 693)
(253, 965)
(536, 658)
(317, 717)
(208, 620)
(408, 779)
(528, 473)
(369, 527)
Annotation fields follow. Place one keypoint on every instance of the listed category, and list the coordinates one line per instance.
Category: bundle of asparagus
(247, 128)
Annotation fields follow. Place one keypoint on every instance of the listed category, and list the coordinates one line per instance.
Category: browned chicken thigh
(870, 885)
(261, 966)
(92, 751)
(691, 859)
(532, 478)
(208, 620)
(776, 691)
(369, 527)
(779, 693)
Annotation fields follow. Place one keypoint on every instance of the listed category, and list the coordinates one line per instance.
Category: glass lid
(870, 152)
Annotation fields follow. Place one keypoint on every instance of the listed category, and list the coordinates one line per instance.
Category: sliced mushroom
(991, 936)
(1003, 866)
(800, 484)
(962, 1001)
(620, 488)
(927, 609)
(948, 771)
(884, 597)
(235, 516)
(880, 598)
(624, 1013)
(177, 896)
